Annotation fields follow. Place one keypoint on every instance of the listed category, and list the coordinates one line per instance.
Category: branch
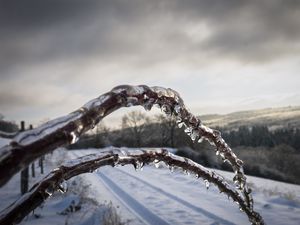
(138, 158)
(30, 145)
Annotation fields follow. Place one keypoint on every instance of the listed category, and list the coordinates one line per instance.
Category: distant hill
(274, 118)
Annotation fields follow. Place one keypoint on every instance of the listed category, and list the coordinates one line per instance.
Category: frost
(160, 91)
(129, 90)
(96, 102)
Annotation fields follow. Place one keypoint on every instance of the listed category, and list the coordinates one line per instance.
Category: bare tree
(101, 135)
(135, 122)
(167, 127)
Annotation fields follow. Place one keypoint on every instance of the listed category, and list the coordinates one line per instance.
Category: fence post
(24, 172)
(41, 164)
(32, 164)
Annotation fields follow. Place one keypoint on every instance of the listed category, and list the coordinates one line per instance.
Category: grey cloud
(144, 32)
(139, 34)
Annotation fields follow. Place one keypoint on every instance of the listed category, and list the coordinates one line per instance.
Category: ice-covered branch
(30, 145)
(138, 158)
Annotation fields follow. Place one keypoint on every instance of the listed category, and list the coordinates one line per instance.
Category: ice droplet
(49, 191)
(187, 130)
(177, 109)
(63, 186)
(156, 163)
(217, 152)
(187, 172)
(138, 165)
(180, 124)
(194, 135)
(201, 139)
(171, 168)
(74, 137)
(226, 161)
(206, 184)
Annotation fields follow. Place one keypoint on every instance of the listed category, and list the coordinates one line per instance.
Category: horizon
(221, 57)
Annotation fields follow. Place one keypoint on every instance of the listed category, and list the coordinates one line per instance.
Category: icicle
(201, 139)
(206, 184)
(236, 202)
(138, 165)
(171, 168)
(194, 135)
(187, 130)
(177, 109)
(222, 155)
(49, 191)
(63, 186)
(226, 161)
(186, 172)
(74, 137)
(180, 124)
(211, 142)
(141, 166)
(156, 163)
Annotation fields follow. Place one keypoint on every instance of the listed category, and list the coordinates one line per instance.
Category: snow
(156, 196)
(4, 141)
(180, 199)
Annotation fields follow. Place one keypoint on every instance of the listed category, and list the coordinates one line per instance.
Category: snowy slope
(175, 198)
(157, 196)
(4, 141)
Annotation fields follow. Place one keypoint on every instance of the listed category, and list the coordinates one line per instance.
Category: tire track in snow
(137, 208)
(183, 202)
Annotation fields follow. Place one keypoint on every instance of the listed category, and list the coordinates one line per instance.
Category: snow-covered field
(157, 196)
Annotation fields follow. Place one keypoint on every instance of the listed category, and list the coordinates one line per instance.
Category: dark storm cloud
(137, 34)
(36, 31)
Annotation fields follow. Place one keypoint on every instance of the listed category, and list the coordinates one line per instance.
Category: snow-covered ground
(157, 196)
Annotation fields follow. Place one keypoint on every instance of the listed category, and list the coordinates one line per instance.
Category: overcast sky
(221, 56)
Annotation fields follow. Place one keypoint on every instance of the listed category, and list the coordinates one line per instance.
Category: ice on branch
(56, 180)
(30, 145)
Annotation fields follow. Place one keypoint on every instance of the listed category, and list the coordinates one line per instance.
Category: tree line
(273, 154)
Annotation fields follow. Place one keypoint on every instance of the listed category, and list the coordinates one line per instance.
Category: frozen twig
(138, 158)
(30, 145)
